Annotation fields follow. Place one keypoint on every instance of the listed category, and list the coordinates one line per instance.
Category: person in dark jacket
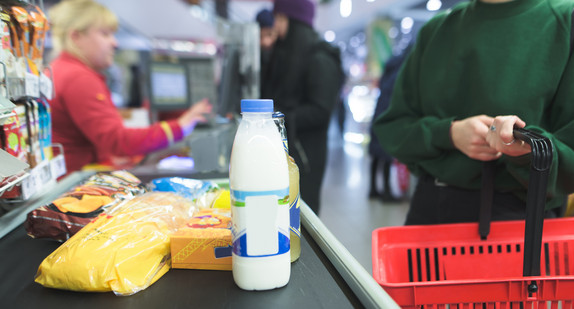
(378, 154)
(304, 80)
(267, 37)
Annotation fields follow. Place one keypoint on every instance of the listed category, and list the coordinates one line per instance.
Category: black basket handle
(541, 159)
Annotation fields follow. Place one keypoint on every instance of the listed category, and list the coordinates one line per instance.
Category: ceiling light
(407, 24)
(345, 8)
(329, 36)
(434, 5)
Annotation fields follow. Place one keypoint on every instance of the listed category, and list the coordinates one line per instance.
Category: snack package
(10, 137)
(39, 26)
(20, 111)
(66, 215)
(202, 193)
(204, 242)
(124, 251)
(14, 38)
(24, 28)
(34, 125)
(7, 51)
(45, 123)
(20, 18)
(16, 129)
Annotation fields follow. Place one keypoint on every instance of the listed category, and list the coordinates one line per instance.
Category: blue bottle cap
(257, 106)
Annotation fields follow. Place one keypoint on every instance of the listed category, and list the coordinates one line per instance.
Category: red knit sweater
(88, 125)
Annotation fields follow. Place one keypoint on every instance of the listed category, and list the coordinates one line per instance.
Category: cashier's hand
(198, 112)
(501, 139)
(469, 136)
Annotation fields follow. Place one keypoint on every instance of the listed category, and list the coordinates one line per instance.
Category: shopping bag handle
(541, 159)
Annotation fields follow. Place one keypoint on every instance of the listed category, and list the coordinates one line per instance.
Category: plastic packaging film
(124, 250)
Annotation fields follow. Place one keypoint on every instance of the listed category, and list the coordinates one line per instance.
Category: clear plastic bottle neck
(257, 115)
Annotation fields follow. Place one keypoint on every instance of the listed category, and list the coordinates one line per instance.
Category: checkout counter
(325, 276)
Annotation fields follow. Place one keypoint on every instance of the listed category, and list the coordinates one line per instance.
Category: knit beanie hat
(301, 10)
(265, 18)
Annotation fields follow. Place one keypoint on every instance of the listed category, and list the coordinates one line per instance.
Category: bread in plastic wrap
(124, 250)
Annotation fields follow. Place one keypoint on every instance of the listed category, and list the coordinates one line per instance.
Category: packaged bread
(124, 250)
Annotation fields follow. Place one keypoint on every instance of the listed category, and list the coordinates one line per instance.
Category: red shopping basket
(522, 264)
(426, 266)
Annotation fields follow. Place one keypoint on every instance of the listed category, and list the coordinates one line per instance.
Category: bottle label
(260, 222)
(294, 216)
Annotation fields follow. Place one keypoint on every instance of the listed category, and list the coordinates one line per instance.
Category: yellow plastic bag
(124, 250)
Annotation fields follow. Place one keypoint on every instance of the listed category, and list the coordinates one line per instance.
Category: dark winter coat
(304, 80)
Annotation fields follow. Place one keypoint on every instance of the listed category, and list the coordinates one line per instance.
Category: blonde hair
(77, 15)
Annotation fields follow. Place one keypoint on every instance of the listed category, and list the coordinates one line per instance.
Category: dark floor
(346, 208)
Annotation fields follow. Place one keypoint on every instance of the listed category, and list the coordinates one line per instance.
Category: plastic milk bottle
(259, 183)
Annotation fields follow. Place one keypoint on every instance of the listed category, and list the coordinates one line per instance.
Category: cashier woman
(85, 121)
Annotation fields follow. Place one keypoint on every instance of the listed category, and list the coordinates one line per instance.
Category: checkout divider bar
(359, 280)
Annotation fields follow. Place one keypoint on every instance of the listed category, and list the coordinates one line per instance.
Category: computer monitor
(230, 87)
(168, 86)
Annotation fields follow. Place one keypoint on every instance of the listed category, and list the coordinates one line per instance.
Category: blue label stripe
(240, 246)
(242, 195)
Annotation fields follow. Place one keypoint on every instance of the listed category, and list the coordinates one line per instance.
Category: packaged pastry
(204, 242)
(69, 213)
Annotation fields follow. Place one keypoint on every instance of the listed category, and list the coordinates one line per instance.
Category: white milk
(259, 183)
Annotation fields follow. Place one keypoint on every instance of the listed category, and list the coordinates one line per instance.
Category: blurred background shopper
(304, 80)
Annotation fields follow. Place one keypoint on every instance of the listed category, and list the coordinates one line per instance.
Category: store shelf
(12, 171)
(44, 175)
(5, 117)
(35, 180)
(31, 86)
(15, 180)
(6, 110)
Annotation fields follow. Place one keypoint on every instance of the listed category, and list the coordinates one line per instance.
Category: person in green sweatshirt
(476, 72)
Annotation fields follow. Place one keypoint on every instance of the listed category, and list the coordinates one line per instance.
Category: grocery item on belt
(204, 242)
(202, 192)
(124, 250)
(67, 214)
